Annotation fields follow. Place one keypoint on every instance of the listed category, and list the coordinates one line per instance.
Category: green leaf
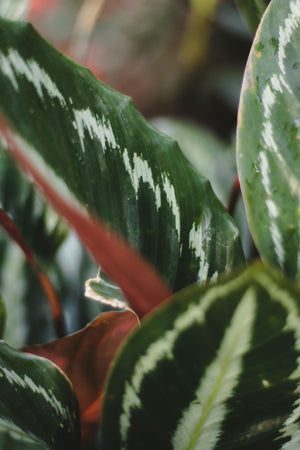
(105, 291)
(213, 159)
(252, 11)
(37, 404)
(268, 144)
(216, 367)
(85, 358)
(90, 145)
(39, 224)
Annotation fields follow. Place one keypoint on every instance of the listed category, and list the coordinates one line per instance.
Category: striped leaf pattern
(38, 409)
(99, 154)
(215, 368)
(268, 137)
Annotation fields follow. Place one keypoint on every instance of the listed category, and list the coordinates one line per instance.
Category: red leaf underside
(85, 357)
(141, 285)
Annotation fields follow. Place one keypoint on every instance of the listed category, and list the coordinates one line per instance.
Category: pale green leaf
(268, 139)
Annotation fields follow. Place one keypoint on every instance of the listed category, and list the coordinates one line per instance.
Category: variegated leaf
(268, 137)
(85, 358)
(98, 153)
(38, 408)
(215, 368)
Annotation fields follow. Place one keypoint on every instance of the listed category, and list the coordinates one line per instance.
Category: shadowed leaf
(37, 405)
(215, 368)
(85, 358)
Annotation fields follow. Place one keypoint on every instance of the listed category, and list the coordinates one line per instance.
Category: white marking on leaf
(290, 428)
(172, 201)
(291, 23)
(273, 210)
(91, 293)
(49, 397)
(27, 383)
(99, 128)
(195, 430)
(12, 377)
(14, 63)
(199, 238)
(35, 161)
(139, 170)
(8, 71)
(268, 100)
(163, 348)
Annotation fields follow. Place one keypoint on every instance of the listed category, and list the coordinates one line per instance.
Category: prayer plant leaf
(252, 11)
(268, 139)
(44, 411)
(91, 151)
(85, 358)
(216, 367)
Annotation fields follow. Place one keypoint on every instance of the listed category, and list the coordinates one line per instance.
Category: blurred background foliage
(182, 62)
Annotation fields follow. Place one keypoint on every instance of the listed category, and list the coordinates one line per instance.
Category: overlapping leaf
(269, 137)
(86, 144)
(39, 224)
(38, 409)
(217, 367)
(85, 358)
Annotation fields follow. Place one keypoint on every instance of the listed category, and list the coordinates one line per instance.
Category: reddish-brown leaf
(140, 283)
(85, 357)
(12, 230)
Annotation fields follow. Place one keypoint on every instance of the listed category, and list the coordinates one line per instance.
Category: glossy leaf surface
(101, 153)
(38, 408)
(269, 137)
(85, 358)
(217, 367)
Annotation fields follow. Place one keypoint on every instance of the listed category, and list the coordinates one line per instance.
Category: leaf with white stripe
(38, 408)
(268, 139)
(218, 367)
(89, 146)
